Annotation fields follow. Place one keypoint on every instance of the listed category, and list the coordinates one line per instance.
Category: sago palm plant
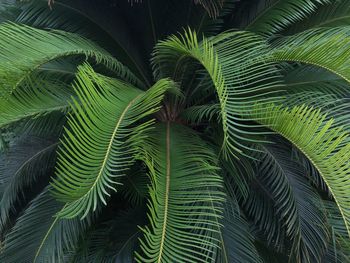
(175, 131)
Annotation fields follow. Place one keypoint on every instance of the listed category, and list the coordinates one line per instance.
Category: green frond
(333, 14)
(111, 241)
(24, 49)
(237, 243)
(271, 16)
(326, 147)
(186, 198)
(100, 139)
(39, 236)
(237, 63)
(35, 97)
(314, 86)
(27, 163)
(339, 246)
(296, 202)
(322, 47)
(135, 185)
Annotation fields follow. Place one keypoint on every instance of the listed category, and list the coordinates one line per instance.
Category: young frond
(237, 63)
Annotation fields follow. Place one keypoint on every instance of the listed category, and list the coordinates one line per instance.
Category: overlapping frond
(113, 240)
(135, 185)
(305, 224)
(271, 16)
(322, 47)
(24, 49)
(325, 146)
(23, 165)
(101, 137)
(237, 65)
(39, 236)
(186, 198)
(36, 97)
(314, 86)
(237, 243)
(339, 246)
(332, 14)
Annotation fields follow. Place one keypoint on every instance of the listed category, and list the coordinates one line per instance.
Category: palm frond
(325, 48)
(339, 247)
(99, 143)
(25, 49)
(237, 65)
(186, 198)
(113, 240)
(39, 236)
(135, 185)
(35, 97)
(237, 243)
(27, 163)
(296, 203)
(271, 16)
(331, 14)
(325, 146)
(314, 86)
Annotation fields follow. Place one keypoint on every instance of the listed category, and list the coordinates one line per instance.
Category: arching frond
(237, 65)
(326, 147)
(271, 16)
(236, 240)
(186, 198)
(332, 14)
(339, 247)
(24, 49)
(26, 163)
(35, 97)
(314, 86)
(296, 203)
(325, 48)
(39, 236)
(113, 240)
(100, 138)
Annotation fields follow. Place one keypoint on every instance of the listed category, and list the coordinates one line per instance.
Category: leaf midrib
(167, 188)
(110, 145)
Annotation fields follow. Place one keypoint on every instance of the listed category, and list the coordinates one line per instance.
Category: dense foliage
(175, 131)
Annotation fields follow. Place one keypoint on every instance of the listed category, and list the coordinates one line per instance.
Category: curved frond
(332, 14)
(27, 162)
(99, 142)
(186, 198)
(237, 63)
(325, 48)
(326, 147)
(113, 240)
(296, 204)
(39, 236)
(24, 49)
(271, 16)
(237, 243)
(36, 97)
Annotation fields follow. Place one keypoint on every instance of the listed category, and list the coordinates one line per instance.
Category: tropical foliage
(175, 131)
